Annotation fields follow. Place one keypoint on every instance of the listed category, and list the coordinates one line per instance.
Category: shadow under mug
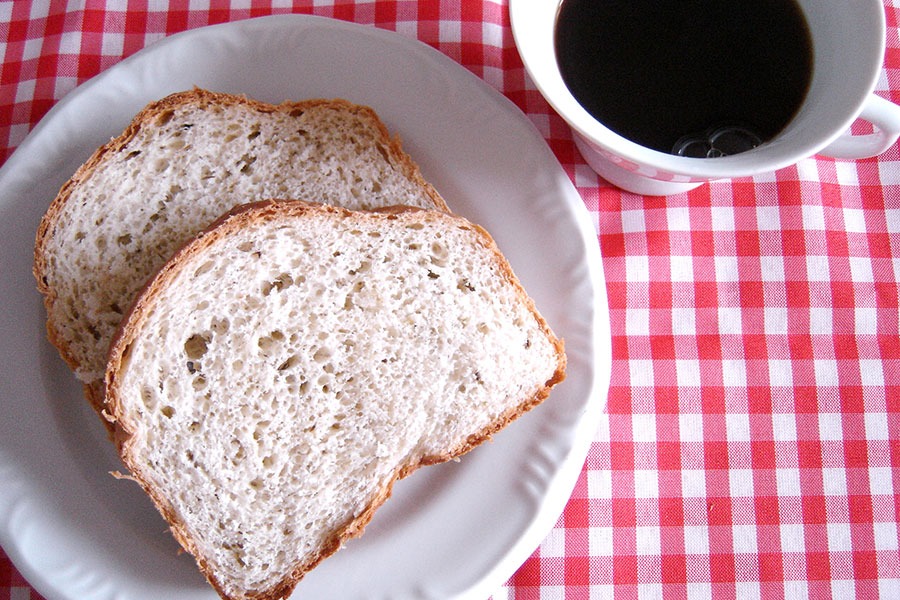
(848, 52)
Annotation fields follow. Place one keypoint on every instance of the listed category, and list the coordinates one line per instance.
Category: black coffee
(693, 77)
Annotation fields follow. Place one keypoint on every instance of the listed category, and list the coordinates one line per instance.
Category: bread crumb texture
(183, 162)
(279, 380)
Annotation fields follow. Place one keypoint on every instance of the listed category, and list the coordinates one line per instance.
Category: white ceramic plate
(457, 530)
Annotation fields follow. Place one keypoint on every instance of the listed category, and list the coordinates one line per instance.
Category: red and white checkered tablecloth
(751, 446)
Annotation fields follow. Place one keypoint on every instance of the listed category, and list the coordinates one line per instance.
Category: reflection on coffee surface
(699, 78)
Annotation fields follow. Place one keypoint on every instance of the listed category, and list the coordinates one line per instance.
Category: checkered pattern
(752, 440)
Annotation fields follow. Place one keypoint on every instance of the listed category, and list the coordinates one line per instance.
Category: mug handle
(885, 116)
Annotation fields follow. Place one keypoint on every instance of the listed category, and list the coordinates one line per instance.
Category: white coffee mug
(848, 51)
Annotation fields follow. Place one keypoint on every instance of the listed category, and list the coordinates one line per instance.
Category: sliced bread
(283, 369)
(181, 163)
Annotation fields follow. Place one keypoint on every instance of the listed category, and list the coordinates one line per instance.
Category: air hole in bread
(219, 325)
(148, 398)
(439, 254)
(246, 164)
(164, 117)
(464, 285)
(292, 361)
(322, 355)
(281, 282)
(238, 451)
(167, 411)
(269, 343)
(362, 268)
(196, 346)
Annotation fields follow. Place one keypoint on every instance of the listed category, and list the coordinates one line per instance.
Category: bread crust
(149, 116)
(240, 217)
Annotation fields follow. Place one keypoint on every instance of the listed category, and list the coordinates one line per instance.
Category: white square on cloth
(678, 218)
(687, 372)
(737, 427)
(793, 538)
(830, 427)
(826, 372)
(600, 541)
(787, 482)
(113, 44)
(646, 483)
(820, 321)
(637, 321)
(637, 269)
(854, 220)
(861, 269)
(699, 591)
(813, 217)
(744, 539)
(696, 539)
(818, 268)
(734, 373)
(633, 221)
(768, 218)
(886, 537)
(726, 268)
(781, 374)
(771, 268)
(690, 427)
(722, 218)
(729, 320)
(740, 483)
(648, 541)
(834, 482)
(684, 321)
(681, 268)
(846, 173)
(640, 373)
(693, 483)
(643, 428)
(554, 544)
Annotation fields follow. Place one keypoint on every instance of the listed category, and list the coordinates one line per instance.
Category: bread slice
(183, 162)
(286, 367)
